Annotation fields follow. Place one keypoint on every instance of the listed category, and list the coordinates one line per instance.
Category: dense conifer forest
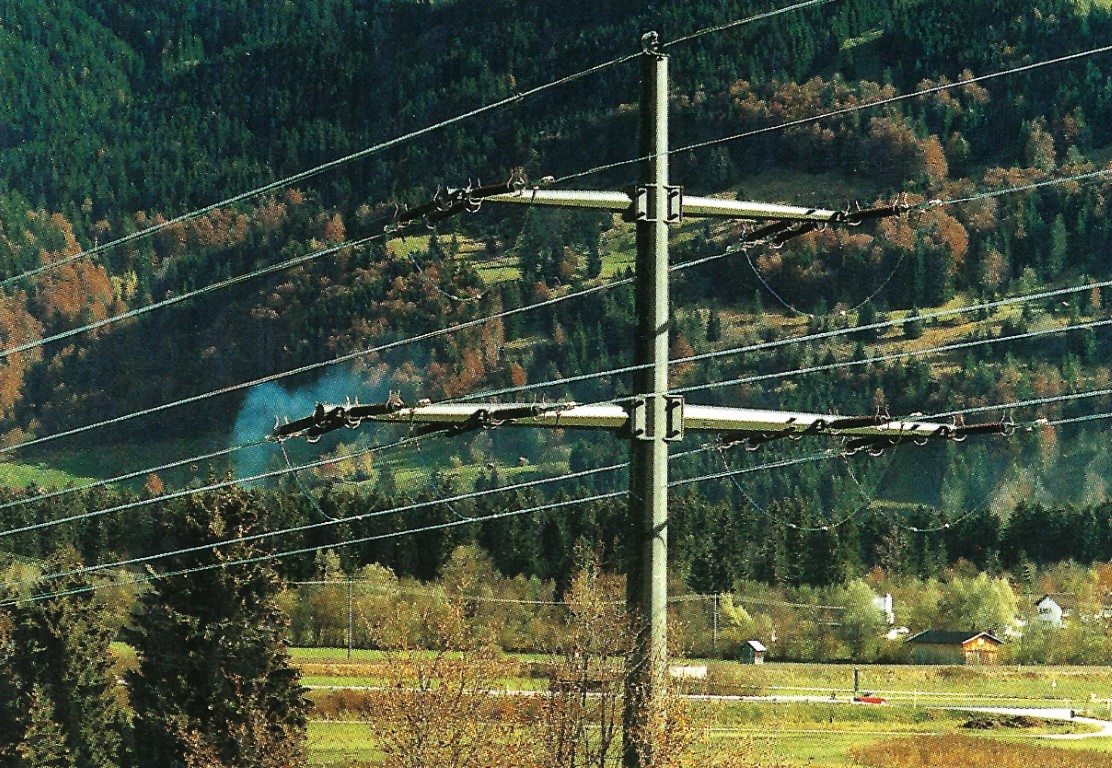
(115, 116)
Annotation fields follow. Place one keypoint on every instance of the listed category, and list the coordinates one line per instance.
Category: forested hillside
(118, 116)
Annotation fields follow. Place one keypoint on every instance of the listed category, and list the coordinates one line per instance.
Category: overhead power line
(823, 456)
(1049, 400)
(776, 343)
(130, 475)
(895, 356)
(1020, 188)
(330, 522)
(1079, 419)
(844, 111)
(508, 313)
(201, 489)
(319, 169)
(317, 548)
(316, 366)
(739, 22)
(826, 455)
(347, 542)
(172, 300)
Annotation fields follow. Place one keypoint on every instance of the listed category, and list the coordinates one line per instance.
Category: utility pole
(652, 418)
(351, 616)
(647, 542)
(714, 630)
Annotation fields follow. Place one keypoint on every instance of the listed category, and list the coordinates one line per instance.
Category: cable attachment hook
(393, 226)
(1008, 424)
(852, 220)
(518, 181)
(955, 430)
(650, 44)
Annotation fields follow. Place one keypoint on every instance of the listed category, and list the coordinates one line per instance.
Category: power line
(884, 284)
(825, 527)
(272, 556)
(895, 356)
(138, 311)
(1019, 188)
(843, 111)
(318, 548)
(330, 521)
(1026, 403)
(317, 366)
(818, 336)
(1078, 419)
(424, 529)
(130, 475)
(318, 169)
(194, 491)
(739, 22)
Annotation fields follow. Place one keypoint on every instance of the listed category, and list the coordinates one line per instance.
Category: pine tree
(214, 682)
(714, 326)
(913, 325)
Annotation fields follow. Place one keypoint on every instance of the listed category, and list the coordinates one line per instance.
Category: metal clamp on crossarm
(869, 214)
(959, 433)
(328, 418)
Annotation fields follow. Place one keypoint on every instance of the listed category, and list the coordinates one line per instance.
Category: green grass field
(798, 733)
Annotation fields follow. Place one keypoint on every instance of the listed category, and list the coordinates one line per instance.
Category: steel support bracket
(638, 427)
(639, 211)
(673, 409)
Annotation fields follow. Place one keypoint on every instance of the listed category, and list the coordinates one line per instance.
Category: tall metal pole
(648, 569)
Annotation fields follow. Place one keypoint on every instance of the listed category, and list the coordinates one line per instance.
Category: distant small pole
(856, 681)
(714, 634)
(351, 621)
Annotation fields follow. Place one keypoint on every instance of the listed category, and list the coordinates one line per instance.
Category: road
(1104, 727)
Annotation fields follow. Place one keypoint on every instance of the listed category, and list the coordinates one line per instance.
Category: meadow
(916, 729)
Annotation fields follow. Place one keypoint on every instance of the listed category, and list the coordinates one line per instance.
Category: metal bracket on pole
(639, 419)
(639, 211)
(673, 408)
(638, 425)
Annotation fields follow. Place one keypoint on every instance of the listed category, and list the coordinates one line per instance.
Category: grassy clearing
(80, 466)
(334, 743)
(956, 751)
(16, 475)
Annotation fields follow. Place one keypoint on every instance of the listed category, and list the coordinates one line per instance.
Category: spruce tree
(43, 744)
(214, 682)
(60, 706)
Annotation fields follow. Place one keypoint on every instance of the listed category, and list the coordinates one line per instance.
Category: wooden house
(753, 652)
(939, 646)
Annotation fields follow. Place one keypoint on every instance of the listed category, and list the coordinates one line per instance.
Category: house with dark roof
(941, 646)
